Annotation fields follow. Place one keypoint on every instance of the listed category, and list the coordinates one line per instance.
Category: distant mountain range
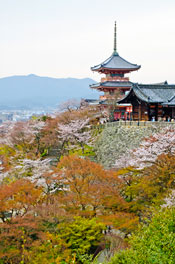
(32, 91)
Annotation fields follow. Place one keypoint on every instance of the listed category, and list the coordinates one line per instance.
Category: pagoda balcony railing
(114, 79)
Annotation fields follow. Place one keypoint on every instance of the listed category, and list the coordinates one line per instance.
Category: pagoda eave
(102, 88)
(115, 71)
(112, 85)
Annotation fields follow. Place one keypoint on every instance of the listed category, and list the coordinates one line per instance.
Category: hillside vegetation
(59, 204)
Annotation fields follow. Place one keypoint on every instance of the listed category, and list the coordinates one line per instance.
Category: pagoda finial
(115, 39)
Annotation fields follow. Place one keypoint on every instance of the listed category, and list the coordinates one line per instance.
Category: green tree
(53, 250)
(82, 235)
(73, 242)
(154, 243)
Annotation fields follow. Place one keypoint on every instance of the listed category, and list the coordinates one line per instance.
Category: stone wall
(117, 138)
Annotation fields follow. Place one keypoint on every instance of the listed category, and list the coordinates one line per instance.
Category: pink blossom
(77, 131)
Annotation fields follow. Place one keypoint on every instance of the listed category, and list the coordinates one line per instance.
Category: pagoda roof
(111, 84)
(152, 93)
(116, 63)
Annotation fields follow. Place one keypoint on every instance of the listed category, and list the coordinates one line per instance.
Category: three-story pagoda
(115, 84)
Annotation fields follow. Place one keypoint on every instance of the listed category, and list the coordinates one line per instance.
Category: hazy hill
(32, 91)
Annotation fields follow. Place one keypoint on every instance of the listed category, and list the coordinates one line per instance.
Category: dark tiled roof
(92, 101)
(116, 62)
(112, 84)
(108, 102)
(171, 101)
(153, 93)
(103, 102)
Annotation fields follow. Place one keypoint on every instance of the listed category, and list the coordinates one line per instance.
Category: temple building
(115, 85)
(151, 102)
(132, 101)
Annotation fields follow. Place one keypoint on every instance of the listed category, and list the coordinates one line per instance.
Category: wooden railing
(114, 79)
(137, 123)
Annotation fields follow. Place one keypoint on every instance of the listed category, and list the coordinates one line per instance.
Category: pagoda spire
(115, 39)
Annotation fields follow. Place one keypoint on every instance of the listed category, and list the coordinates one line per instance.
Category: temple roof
(111, 84)
(115, 62)
(152, 93)
(171, 101)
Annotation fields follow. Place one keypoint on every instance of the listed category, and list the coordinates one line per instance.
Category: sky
(64, 38)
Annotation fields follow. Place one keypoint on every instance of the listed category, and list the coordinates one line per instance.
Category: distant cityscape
(22, 115)
(25, 96)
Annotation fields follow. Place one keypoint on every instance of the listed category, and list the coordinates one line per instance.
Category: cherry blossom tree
(20, 132)
(5, 131)
(36, 171)
(76, 132)
(69, 105)
(26, 131)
